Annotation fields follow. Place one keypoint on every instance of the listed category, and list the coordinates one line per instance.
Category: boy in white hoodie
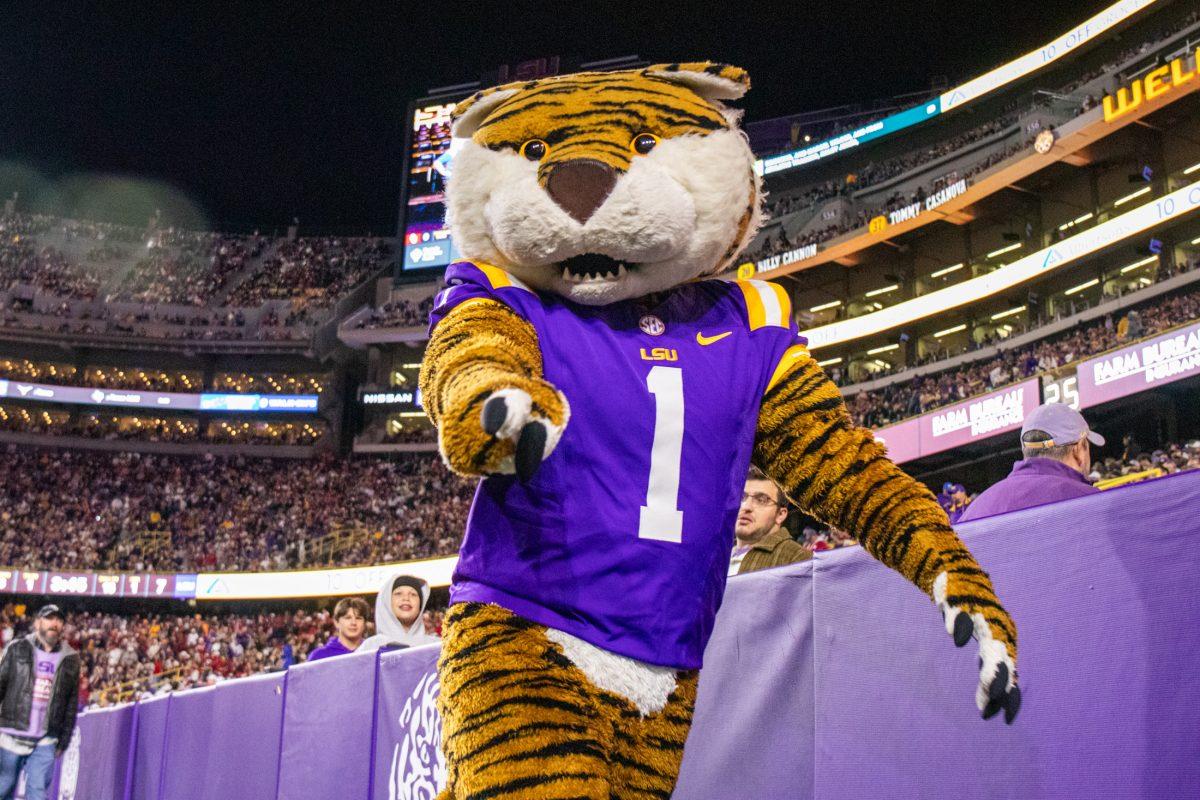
(399, 614)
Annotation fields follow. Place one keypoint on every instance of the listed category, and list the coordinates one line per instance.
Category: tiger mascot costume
(612, 396)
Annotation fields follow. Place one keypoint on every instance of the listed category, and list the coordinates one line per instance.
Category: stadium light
(1174, 206)
(826, 306)
(1004, 250)
(829, 362)
(948, 270)
(884, 349)
(1131, 196)
(958, 96)
(949, 331)
(415, 365)
(1076, 221)
(1082, 286)
(1008, 313)
(1137, 264)
(884, 290)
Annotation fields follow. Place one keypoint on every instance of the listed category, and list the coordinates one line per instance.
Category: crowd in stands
(213, 283)
(898, 401)
(131, 656)
(151, 512)
(399, 313)
(149, 428)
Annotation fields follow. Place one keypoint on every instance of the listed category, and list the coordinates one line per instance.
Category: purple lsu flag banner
(831, 679)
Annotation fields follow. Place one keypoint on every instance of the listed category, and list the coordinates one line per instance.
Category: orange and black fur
(520, 719)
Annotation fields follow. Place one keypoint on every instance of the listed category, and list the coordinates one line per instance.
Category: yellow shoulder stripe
(790, 358)
(497, 277)
(767, 304)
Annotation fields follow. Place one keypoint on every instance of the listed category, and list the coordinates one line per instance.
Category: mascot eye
(535, 149)
(643, 143)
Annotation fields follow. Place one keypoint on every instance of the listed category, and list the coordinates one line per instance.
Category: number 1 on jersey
(661, 519)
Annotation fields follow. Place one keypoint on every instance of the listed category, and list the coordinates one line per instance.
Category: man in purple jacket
(1056, 445)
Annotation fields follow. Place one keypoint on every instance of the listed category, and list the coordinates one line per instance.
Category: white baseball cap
(1064, 424)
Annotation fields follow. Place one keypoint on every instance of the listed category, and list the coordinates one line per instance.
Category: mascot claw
(509, 414)
(997, 689)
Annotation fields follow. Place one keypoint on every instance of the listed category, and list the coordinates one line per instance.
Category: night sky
(240, 116)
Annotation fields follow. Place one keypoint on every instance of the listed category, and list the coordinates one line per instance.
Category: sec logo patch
(652, 325)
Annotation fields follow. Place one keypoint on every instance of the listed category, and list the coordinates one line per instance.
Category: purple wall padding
(833, 679)
(149, 748)
(239, 762)
(756, 689)
(326, 750)
(95, 765)
(408, 731)
(1103, 590)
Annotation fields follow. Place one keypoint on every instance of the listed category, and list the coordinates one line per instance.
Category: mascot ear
(469, 114)
(710, 81)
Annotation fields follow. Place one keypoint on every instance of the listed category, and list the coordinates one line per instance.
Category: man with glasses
(761, 540)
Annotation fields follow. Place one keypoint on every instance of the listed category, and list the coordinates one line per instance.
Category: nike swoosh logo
(703, 340)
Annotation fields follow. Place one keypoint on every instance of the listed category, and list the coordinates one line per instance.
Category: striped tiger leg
(841, 475)
(649, 749)
(519, 720)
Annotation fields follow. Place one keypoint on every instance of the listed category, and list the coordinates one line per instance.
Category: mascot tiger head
(605, 186)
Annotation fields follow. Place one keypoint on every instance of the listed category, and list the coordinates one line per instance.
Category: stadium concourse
(208, 438)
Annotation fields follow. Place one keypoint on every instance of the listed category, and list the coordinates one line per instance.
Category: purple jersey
(622, 536)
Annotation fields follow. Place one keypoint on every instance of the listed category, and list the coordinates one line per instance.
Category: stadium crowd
(150, 512)
(131, 656)
(217, 277)
(898, 401)
(399, 313)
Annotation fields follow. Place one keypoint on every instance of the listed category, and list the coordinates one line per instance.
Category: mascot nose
(580, 186)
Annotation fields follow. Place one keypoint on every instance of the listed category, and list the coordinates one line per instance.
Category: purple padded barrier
(754, 720)
(832, 679)
(239, 761)
(95, 764)
(1103, 590)
(149, 748)
(326, 750)
(408, 731)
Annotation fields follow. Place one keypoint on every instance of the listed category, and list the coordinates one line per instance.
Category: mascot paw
(970, 609)
(514, 430)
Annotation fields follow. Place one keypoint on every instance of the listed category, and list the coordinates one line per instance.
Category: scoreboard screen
(429, 155)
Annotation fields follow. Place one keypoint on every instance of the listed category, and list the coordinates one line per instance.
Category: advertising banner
(241, 762)
(903, 440)
(409, 764)
(978, 419)
(316, 582)
(1161, 360)
(328, 715)
(962, 423)
(136, 398)
(97, 584)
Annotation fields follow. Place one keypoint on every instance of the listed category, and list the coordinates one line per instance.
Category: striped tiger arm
(841, 475)
(481, 380)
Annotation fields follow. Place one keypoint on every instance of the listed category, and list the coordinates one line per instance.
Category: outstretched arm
(839, 474)
(481, 383)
